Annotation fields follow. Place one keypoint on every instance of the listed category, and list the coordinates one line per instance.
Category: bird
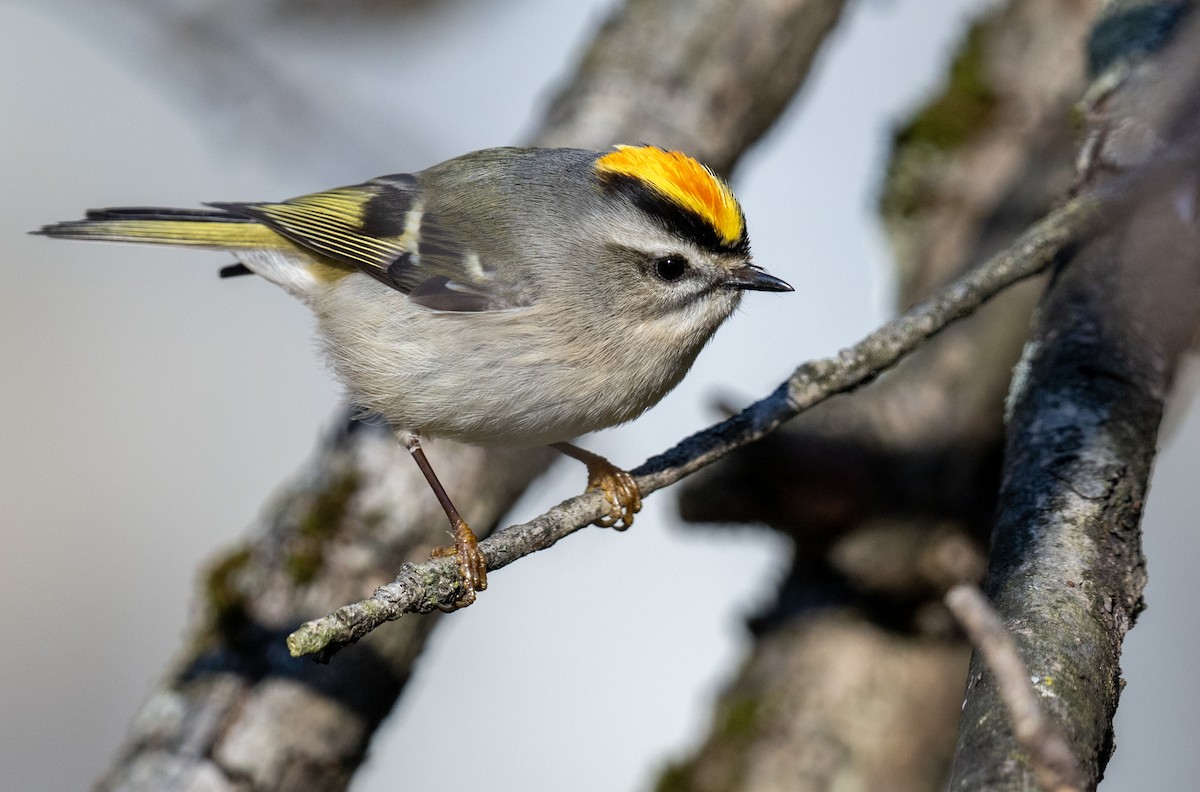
(506, 297)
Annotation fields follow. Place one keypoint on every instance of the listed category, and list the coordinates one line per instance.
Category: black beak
(751, 278)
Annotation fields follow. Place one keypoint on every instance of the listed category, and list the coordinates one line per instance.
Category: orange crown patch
(683, 180)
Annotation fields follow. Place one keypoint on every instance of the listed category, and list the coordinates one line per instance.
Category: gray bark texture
(1066, 571)
(707, 77)
(236, 712)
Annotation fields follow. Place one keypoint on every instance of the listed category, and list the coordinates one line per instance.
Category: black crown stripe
(675, 219)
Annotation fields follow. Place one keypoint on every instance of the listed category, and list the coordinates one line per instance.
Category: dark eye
(670, 268)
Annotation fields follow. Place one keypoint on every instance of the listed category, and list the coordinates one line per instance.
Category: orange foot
(620, 490)
(472, 566)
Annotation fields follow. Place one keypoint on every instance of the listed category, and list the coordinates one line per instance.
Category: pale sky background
(150, 409)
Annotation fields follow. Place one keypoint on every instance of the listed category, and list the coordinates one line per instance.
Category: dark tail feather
(159, 213)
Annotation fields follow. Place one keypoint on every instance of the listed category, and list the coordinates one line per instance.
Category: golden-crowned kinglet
(506, 297)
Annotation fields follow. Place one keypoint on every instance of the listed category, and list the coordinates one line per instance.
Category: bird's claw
(620, 490)
(472, 566)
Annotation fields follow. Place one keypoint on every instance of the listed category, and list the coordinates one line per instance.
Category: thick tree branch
(420, 588)
(1066, 571)
(1054, 765)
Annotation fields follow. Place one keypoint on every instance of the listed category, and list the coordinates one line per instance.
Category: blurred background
(150, 409)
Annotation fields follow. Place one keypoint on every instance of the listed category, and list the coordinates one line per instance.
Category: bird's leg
(472, 566)
(620, 490)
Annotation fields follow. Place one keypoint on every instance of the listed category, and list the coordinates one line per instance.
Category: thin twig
(421, 588)
(1054, 765)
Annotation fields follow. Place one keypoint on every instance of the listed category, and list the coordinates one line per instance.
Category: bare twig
(421, 588)
(1054, 765)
